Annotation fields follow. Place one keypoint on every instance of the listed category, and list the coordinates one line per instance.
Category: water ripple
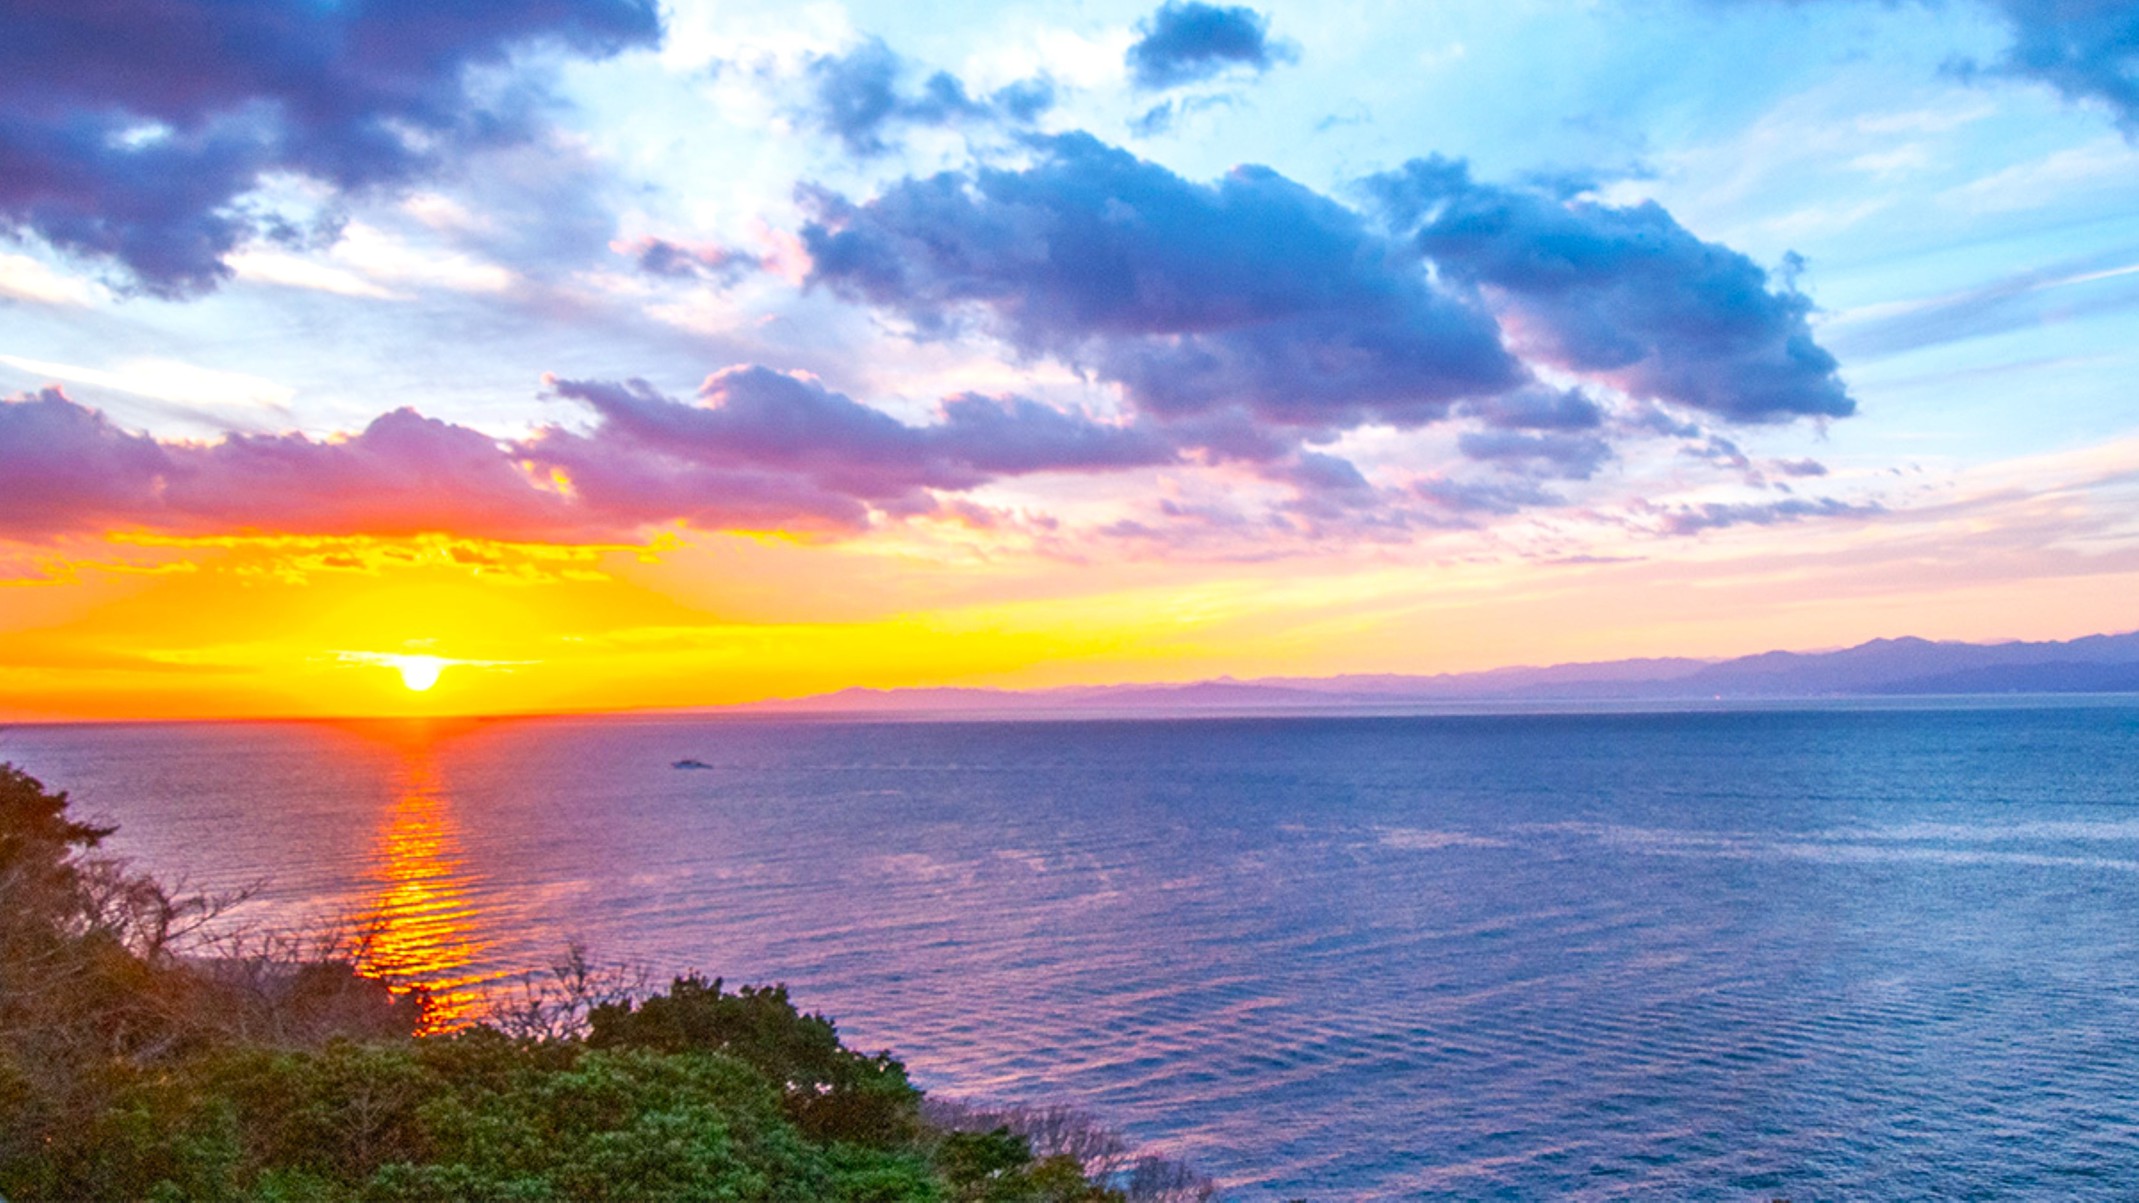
(1806, 955)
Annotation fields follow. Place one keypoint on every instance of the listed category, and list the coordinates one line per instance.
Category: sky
(475, 356)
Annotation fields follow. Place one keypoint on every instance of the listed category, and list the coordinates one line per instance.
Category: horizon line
(771, 706)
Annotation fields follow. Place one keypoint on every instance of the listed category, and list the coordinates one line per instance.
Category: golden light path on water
(419, 923)
(1548, 951)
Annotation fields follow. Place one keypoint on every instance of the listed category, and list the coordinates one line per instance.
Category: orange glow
(135, 627)
(421, 923)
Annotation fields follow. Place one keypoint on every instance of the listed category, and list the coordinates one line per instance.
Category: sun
(420, 672)
(417, 672)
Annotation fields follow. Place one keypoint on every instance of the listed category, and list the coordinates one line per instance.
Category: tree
(81, 940)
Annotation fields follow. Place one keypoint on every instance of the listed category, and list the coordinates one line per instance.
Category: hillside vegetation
(140, 1060)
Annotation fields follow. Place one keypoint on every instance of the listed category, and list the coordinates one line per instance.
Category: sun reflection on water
(421, 922)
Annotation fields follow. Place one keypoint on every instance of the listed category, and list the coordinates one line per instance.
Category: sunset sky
(575, 354)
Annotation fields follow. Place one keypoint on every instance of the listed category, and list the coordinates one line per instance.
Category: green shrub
(130, 1072)
(831, 1092)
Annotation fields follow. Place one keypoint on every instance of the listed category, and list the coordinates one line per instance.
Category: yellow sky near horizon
(129, 627)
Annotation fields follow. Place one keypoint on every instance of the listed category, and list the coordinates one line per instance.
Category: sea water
(1810, 953)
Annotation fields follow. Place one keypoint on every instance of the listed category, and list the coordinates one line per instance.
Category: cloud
(823, 444)
(168, 380)
(1252, 293)
(1495, 497)
(1011, 435)
(25, 279)
(679, 261)
(136, 130)
(1322, 473)
(759, 451)
(2088, 51)
(403, 474)
(1549, 454)
(2021, 300)
(1689, 520)
(1250, 318)
(861, 96)
(1161, 117)
(755, 450)
(1539, 408)
(1186, 41)
(1655, 419)
(1722, 452)
(2055, 178)
(1626, 296)
(268, 266)
(69, 467)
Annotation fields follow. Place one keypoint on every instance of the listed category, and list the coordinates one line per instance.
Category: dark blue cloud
(1252, 293)
(1495, 497)
(1252, 316)
(1539, 408)
(862, 96)
(1323, 473)
(1547, 454)
(2087, 49)
(1010, 436)
(1651, 418)
(1625, 294)
(132, 130)
(1717, 450)
(1186, 41)
(758, 420)
(677, 261)
(1690, 520)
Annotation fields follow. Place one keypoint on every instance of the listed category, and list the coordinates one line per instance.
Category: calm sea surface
(1820, 954)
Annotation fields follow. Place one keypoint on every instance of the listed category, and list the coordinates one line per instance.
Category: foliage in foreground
(130, 1071)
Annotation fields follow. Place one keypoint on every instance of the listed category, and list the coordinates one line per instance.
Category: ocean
(1805, 953)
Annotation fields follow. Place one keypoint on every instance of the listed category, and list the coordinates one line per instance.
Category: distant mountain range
(1881, 668)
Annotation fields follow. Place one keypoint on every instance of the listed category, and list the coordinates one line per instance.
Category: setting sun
(417, 672)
